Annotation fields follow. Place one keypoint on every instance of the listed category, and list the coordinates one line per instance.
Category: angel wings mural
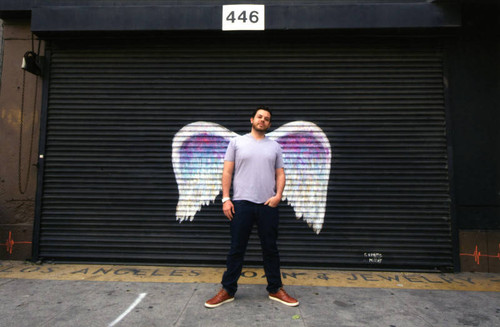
(198, 151)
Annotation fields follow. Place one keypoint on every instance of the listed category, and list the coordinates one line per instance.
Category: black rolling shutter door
(110, 194)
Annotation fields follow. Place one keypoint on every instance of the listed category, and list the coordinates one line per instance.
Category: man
(259, 180)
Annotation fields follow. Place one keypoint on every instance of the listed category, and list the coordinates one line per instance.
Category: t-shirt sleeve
(279, 158)
(230, 151)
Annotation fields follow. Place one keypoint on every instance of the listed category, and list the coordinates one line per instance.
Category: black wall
(474, 65)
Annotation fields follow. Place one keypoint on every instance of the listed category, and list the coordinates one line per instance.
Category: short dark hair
(266, 108)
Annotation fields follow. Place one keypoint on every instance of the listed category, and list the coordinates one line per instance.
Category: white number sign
(243, 17)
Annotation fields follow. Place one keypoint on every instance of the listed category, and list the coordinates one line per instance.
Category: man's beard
(259, 129)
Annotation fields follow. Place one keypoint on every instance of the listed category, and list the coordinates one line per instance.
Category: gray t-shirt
(255, 164)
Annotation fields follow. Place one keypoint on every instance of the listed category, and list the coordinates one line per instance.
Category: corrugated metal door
(109, 189)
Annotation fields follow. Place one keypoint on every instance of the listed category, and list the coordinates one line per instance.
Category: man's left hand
(273, 202)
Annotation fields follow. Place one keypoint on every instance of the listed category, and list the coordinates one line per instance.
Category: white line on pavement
(126, 312)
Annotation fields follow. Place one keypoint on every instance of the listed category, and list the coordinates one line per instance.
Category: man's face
(261, 121)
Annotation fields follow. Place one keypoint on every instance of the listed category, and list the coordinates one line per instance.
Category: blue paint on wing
(300, 148)
(202, 149)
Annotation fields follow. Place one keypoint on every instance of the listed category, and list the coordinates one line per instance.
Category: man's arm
(280, 186)
(227, 178)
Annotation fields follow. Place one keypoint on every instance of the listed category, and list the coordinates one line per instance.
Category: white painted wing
(198, 151)
(307, 157)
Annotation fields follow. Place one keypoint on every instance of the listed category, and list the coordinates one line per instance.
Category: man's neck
(257, 135)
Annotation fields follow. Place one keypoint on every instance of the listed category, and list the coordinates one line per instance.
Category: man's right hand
(228, 209)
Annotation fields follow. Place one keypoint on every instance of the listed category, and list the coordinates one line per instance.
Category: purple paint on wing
(303, 145)
(203, 146)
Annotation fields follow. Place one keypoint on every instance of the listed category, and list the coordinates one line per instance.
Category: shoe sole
(211, 306)
(285, 303)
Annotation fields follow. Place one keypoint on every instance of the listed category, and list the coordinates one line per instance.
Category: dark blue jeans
(266, 218)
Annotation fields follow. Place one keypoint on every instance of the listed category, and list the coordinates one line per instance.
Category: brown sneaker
(283, 297)
(221, 298)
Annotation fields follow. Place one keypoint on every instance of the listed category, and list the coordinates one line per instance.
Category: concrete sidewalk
(82, 303)
(44, 302)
